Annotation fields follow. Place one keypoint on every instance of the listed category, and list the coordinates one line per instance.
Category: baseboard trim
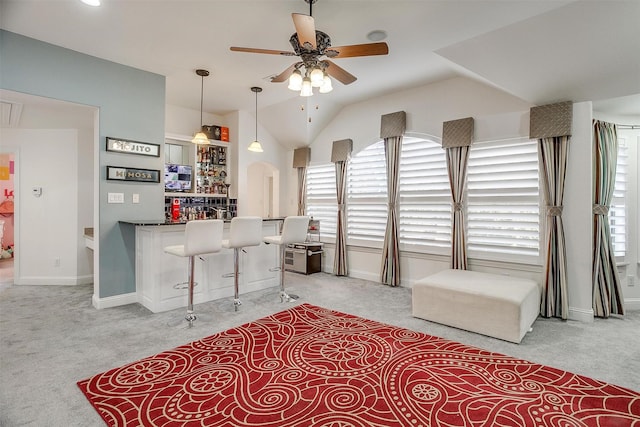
(55, 281)
(581, 314)
(632, 304)
(365, 275)
(114, 301)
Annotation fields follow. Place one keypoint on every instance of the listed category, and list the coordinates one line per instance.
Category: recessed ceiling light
(377, 35)
(91, 2)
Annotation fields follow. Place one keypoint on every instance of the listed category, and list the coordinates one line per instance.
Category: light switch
(116, 198)
(135, 198)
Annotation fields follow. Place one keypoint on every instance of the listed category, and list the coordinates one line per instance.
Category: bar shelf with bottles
(192, 208)
(211, 170)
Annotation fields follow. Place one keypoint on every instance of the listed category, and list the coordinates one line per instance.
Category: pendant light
(201, 138)
(255, 145)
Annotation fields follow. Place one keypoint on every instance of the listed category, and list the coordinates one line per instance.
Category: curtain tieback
(457, 206)
(341, 207)
(554, 210)
(600, 209)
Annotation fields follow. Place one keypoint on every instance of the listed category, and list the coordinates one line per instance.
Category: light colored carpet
(51, 337)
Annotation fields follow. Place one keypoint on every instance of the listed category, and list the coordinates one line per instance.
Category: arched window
(425, 209)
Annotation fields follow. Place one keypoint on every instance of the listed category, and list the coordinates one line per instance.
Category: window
(503, 215)
(617, 211)
(425, 196)
(503, 198)
(367, 197)
(321, 198)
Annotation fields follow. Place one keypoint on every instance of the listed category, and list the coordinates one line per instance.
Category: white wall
(426, 107)
(577, 215)
(185, 121)
(50, 226)
(274, 154)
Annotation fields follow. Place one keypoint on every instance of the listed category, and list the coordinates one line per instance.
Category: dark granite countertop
(141, 222)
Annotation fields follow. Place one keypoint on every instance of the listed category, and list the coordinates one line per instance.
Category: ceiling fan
(313, 47)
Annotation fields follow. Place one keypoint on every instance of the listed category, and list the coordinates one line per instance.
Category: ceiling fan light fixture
(295, 81)
(307, 89)
(326, 85)
(200, 138)
(316, 76)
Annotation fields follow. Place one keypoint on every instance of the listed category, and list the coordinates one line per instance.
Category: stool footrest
(184, 285)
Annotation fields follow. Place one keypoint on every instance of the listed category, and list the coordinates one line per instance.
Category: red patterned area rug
(309, 366)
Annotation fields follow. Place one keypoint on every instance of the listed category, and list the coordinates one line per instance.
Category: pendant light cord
(201, 96)
(256, 115)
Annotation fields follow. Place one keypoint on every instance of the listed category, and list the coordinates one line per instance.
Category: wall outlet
(631, 280)
(56, 262)
(135, 198)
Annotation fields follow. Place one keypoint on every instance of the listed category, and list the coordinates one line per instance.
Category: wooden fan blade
(284, 75)
(306, 29)
(340, 74)
(267, 51)
(366, 49)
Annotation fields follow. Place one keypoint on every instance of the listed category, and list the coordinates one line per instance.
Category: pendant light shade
(255, 145)
(200, 138)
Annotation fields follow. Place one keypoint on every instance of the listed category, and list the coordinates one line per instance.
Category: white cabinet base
(157, 272)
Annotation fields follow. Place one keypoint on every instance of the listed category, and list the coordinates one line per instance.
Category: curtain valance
(547, 121)
(457, 133)
(393, 124)
(301, 157)
(341, 150)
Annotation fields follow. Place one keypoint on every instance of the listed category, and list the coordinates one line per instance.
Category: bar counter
(157, 272)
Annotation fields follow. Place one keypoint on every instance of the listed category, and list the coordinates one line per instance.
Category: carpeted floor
(51, 337)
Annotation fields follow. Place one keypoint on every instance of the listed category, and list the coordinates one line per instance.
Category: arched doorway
(263, 183)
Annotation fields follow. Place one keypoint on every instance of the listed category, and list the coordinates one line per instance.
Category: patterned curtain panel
(457, 136)
(390, 274)
(457, 160)
(302, 192)
(553, 153)
(340, 154)
(340, 259)
(301, 157)
(607, 292)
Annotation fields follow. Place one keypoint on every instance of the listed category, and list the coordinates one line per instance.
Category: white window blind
(425, 197)
(321, 197)
(367, 196)
(503, 215)
(617, 211)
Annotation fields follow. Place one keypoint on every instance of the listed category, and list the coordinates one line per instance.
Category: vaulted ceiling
(540, 51)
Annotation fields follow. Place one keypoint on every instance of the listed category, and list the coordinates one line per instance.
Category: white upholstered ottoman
(499, 306)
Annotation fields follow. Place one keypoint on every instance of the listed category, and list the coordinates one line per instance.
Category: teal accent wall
(132, 106)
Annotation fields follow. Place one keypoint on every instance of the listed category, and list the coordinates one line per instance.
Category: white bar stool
(294, 230)
(200, 237)
(244, 231)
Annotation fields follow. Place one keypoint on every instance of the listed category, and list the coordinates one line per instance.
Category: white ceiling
(540, 51)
